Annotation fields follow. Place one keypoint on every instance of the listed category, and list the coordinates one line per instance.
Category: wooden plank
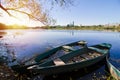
(68, 47)
(82, 42)
(58, 61)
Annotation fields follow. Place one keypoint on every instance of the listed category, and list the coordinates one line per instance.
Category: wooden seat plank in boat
(82, 42)
(58, 61)
(68, 47)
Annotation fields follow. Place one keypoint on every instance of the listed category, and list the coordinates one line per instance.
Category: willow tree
(32, 8)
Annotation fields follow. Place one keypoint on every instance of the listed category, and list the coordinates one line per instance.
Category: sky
(89, 12)
(82, 12)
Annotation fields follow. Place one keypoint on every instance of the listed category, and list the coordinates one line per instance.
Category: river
(28, 43)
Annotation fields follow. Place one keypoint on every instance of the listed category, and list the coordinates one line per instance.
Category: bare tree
(32, 8)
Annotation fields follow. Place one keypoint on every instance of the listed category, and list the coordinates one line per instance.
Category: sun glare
(18, 19)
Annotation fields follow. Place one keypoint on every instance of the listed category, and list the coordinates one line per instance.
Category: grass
(99, 28)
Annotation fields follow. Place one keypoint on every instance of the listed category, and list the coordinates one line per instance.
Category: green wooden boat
(115, 72)
(60, 51)
(77, 59)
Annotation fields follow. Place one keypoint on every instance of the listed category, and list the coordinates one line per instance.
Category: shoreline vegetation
(93, 27)
(67, 27)
(15, 26)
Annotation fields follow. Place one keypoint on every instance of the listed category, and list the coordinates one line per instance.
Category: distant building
(70, 24)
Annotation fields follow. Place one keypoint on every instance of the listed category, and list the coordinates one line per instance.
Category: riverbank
(6, 73)
(96, 28)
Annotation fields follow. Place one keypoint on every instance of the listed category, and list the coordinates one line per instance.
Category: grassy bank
(99, 28)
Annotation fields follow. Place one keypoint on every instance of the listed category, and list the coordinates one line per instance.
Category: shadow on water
(94, 72)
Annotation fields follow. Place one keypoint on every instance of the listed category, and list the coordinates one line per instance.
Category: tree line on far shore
(67, 27)
(15, 26)
(85, 27)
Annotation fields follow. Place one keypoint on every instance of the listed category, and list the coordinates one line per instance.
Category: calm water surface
(28, 43)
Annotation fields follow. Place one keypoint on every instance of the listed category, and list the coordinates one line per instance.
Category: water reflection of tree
(72, 32)
(2, 34)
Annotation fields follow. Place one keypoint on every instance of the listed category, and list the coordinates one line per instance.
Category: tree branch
(29, 15)
(31, 8)
(5, 10)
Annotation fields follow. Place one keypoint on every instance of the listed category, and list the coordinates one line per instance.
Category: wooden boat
(77, 59)
(59, 51)
(114, 71)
